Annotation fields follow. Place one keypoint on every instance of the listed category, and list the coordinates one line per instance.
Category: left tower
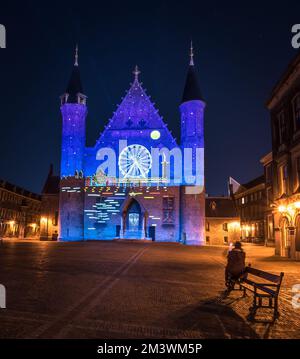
(74, 110)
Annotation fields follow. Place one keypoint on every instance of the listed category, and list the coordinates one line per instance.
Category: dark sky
(240, 51)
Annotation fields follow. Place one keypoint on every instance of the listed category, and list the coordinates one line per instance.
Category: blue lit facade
(126, 186)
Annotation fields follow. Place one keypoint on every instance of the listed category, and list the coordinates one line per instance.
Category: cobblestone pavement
(133, 290)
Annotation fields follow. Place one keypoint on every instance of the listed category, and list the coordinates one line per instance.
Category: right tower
(192, 143)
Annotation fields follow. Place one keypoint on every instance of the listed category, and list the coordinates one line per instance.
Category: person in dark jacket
(235, 264)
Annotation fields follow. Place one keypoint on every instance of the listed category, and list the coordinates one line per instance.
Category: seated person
(235, 263)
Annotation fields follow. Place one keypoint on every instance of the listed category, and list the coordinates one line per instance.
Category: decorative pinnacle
(191, 54)
(136, 73)
(76, 56)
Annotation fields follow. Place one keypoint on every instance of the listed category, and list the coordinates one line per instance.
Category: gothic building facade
(136, 182)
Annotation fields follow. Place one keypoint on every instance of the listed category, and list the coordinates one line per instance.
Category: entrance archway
(134, 218)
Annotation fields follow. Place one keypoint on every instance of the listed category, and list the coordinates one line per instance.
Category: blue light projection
(95, 205)
(73, 138)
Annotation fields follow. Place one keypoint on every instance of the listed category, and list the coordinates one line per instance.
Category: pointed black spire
(191, 89)
(74, 89)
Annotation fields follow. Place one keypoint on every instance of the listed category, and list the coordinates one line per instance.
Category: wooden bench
(265, 287)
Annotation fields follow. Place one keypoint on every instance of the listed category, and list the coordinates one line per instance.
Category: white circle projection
(155, 135)
(135, 161)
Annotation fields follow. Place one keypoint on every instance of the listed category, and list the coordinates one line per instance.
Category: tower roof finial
(191, 54)
(76, 56)
(136, 73)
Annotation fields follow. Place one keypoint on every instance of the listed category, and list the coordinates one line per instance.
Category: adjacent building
(250, 201)
(222, 223)
(269, 234)
(50, 207)
(284, 107)
(19, 212)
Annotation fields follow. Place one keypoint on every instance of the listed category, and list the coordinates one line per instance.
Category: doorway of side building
(285, 238)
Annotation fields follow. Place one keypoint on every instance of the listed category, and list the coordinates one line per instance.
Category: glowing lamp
(11, 223)
(155, 135)
(44, 219)
(234, 224)
(297, 204)
(282, 209)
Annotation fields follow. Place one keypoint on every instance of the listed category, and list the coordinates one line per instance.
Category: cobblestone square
(133, 290)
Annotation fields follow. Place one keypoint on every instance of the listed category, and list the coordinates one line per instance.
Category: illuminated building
(250, 202)
(19, 212)
(122, 188)
(267, 162)
(222, 223)
(49, 207)
(284, 107)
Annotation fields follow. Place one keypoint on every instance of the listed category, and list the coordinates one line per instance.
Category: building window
(283, 179)
(168, 210)
(207, 226)
(269, 174)
(296, 111)
(281, 127)
(243, 200)
(207, 239)
(225, 239)
(225, 227)
(269, 196)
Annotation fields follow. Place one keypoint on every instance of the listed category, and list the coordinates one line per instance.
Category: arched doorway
(133, 220)
(285, 238)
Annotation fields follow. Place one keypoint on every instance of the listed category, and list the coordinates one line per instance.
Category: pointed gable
(137, 117)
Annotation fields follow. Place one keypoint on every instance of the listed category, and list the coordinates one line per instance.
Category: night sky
(240, 52)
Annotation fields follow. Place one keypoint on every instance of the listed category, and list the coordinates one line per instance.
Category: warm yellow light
(282, 209)
(297, 204)
(291, 210)
(44, 219)
(234, 224)
(33, 225)
(11, 223)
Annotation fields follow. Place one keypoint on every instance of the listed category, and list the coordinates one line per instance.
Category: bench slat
(265, 275)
